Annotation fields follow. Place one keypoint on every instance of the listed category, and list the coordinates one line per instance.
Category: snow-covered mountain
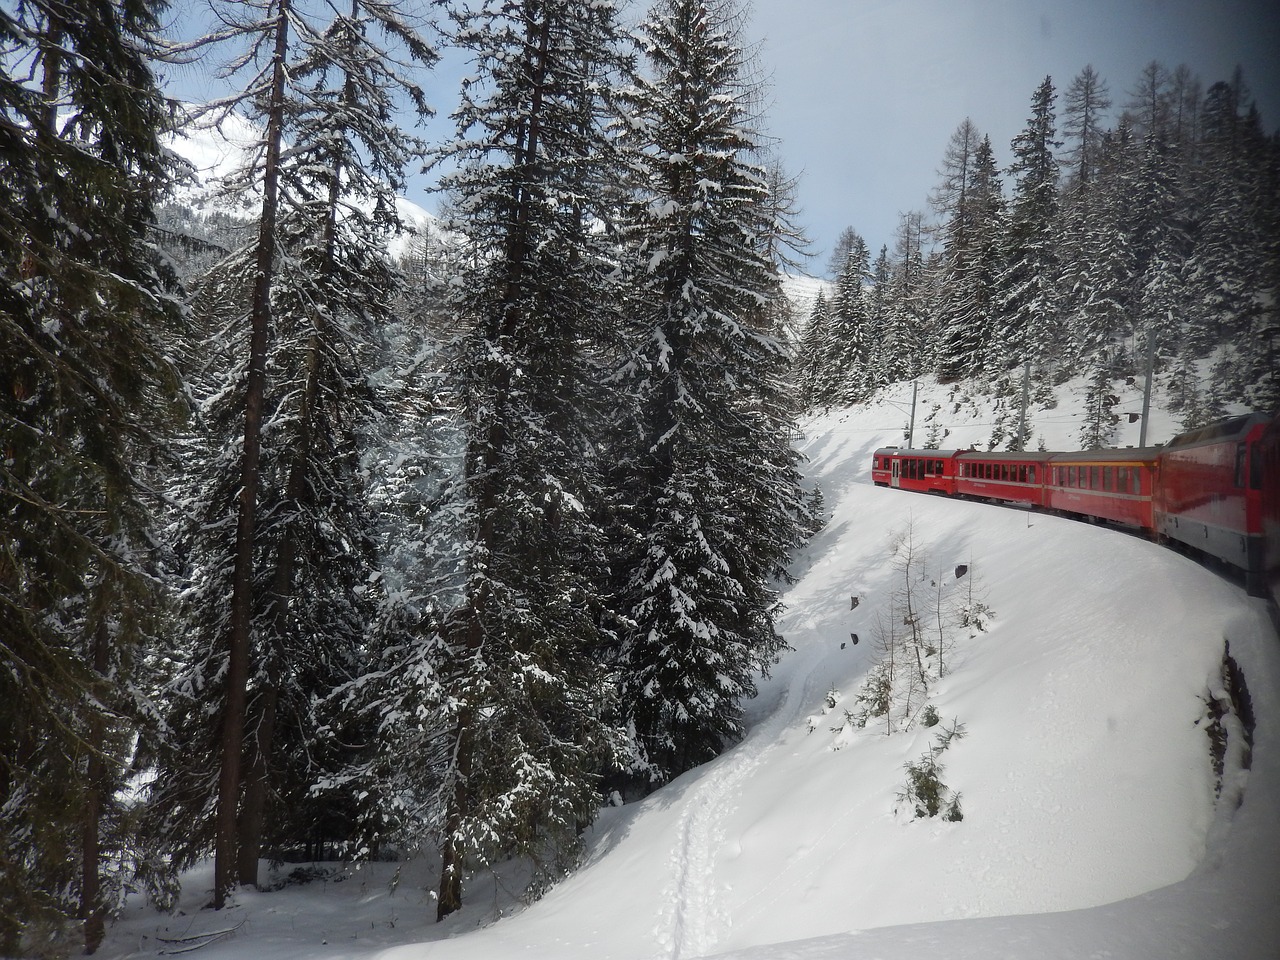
(217, 146)
(1094, 823)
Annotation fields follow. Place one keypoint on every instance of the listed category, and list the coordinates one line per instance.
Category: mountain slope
(1090, 825)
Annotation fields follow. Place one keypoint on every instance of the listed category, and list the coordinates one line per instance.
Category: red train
(1215, 490)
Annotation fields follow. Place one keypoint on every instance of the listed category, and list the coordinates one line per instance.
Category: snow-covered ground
(1090, 827)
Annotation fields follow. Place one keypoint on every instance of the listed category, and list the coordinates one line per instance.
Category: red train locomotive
(1215, 490)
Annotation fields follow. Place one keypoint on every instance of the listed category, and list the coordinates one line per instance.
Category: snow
(1090, 824)
(219, 146)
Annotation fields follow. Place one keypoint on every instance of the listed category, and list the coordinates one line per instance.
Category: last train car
(1210, 495)
(925, 471)
(1268, 463)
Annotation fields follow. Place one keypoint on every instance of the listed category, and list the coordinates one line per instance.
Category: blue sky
(866, 93)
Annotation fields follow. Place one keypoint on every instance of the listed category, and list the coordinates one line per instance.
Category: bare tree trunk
(452, 856)
(91, 908)
(229, 779)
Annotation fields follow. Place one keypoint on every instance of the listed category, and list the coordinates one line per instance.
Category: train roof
(1008, 456)
(1231, 428)
(1109, 455)
(907, 452)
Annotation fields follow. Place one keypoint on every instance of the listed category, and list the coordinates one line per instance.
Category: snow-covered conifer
(87, 398)
(279, 521)
(708, 452)
(503, 701)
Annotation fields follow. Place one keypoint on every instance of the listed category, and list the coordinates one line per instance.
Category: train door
(895, 474)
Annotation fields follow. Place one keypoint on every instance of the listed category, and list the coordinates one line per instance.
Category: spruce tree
(812, 365)
(850, 338)
(87, 397)
(973, 233)
(1030, 325)
(709, 456)
(502, 702)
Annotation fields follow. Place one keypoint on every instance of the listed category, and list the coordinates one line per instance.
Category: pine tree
(714, 475)
(907, 331)
(1030, 325)
(973, 233)
(87, 397)
(300, 563)
(1086, 102)
(1097, 432)
(812, 361)
(503, 679)
(850, 338)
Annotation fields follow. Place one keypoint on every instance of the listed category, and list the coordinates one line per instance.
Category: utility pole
(911, 427)
(1146, 389)
(1026, 399)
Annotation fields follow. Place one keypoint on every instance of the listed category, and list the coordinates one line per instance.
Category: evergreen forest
(309, 550)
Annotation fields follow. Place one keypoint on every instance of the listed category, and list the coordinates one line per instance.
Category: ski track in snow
(693, 920)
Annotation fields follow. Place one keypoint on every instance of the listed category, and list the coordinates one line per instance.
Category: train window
(1095, 478)
(1031, 473)
(1240, 451)
(1106, 479)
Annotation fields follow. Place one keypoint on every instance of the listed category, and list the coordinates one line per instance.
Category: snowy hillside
(1090, 825)
(802, 291)
(217, 147)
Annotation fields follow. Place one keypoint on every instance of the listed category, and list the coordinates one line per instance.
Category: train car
(1211, 497)
(881, 470)
(1114, 485)
(926, 471)
(1010, 477)
(1268, 462)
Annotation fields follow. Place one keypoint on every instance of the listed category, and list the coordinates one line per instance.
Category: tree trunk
(229, 779)
(257, 783)
(91, 908)
(452, 858)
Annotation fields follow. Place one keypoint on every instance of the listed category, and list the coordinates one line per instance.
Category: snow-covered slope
(218, 146)
(802, 291)
(1090, 824)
